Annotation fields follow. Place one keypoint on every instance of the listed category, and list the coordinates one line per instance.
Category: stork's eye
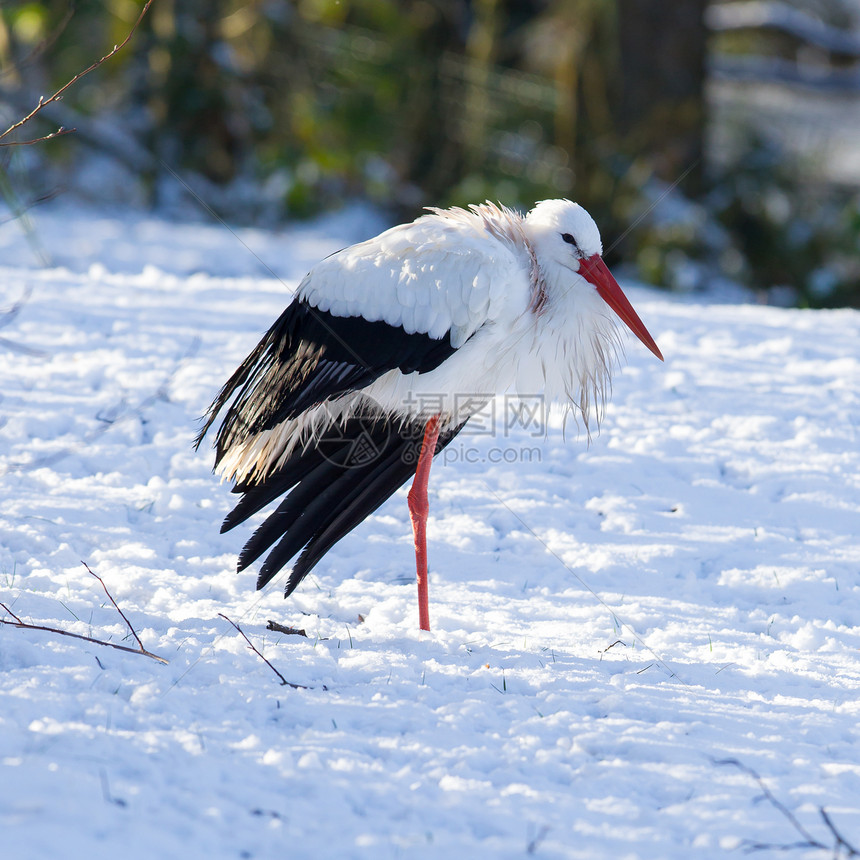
(567, 237)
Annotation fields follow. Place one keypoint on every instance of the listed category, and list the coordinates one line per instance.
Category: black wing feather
(331, 501)
(307, 357)
(289, 516)
(258, 495)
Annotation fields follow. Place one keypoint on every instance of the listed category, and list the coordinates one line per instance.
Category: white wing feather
(442, 273)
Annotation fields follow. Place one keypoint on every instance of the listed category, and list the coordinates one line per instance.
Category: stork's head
(568, 248)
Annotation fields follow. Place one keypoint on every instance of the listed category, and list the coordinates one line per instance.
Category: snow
(612, 621)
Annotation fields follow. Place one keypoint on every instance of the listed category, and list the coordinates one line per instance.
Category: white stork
(387, 350)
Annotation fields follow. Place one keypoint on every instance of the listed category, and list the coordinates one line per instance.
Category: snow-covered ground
(612, 622)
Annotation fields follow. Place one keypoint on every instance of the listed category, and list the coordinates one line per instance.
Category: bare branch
(43, 102)
(284, 681)
(24, 625)
(840, 840)
(809, 841)
(58, 133)
(21, 210)
(110, 597)
(11, 613)
(776, 804)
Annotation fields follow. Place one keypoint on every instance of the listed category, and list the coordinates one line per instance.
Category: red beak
(594, 270)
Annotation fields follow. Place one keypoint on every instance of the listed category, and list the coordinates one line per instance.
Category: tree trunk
(661, 109)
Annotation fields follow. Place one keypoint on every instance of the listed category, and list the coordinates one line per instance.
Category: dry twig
(60, 132)
(275, 627)
(839, 846)
(110, 597)
(284, 681)
(24, 625)
(43, 102)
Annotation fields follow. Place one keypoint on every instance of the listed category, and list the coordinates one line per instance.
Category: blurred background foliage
(712, 141)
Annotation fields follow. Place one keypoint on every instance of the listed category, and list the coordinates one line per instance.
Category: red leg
(419, 507)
